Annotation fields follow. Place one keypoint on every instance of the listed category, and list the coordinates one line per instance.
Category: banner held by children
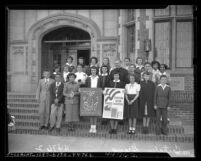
(90, 102)
(113, 103)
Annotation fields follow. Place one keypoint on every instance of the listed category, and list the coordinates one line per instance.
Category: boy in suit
(162, 104)
(57, 103)
(43, 97)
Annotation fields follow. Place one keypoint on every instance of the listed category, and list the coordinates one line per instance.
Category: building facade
(38, 38)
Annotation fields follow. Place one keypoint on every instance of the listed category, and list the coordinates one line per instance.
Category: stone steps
(124, 128)
(25, 109)
(104, 134)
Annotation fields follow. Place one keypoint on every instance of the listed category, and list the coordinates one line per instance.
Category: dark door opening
(85, 53)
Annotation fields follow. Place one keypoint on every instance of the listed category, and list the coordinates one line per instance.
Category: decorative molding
(18, 50)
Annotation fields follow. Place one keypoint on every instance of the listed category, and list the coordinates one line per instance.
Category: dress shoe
(115, 131)
(50, 129)
(129, 131)
(132, 131)
(111, 131)
(41, 127)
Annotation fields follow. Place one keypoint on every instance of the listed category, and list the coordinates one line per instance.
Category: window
(184, 44)
(131, 15)
(131, 38)
(130, 32)
(173, 36)
(162, 42)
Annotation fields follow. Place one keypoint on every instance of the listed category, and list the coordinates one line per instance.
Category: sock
(95, 127)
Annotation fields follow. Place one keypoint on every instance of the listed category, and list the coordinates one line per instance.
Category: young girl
(81, 61)
(69, 63)
(106, 62)
(147, 100)
(93, 81)
(116, 83)
(71, 94)
(80, 76)
(155, 66)
(163, 71)
(139, 66)
(65, 73)
(147, 68)
(131, 94)
(93, 63)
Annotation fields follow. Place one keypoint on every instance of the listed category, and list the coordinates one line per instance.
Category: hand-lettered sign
(90, 102)
(113, 103)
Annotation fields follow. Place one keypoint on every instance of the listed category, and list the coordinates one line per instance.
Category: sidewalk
(42, 143)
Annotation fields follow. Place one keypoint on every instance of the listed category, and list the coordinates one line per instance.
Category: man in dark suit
(57, 103)
(162, 104)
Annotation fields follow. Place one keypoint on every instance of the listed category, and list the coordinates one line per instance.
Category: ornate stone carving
(18, 50)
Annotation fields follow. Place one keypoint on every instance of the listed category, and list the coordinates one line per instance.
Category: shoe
(91, 130)
(50, 129)
(41, 127)
(129, 131)
(115, 131)
(111, 131)
(133, 131)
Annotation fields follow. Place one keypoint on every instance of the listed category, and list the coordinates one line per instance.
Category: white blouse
(80, 75)
(94, 82)
(132, 88)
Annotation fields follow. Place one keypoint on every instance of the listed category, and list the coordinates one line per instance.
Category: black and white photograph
(101, 80)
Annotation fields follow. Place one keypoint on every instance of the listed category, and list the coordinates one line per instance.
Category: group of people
(147, 93)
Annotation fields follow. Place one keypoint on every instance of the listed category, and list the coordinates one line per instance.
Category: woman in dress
(131, 95)
(147, 100)
(71, 93)
(80, 75)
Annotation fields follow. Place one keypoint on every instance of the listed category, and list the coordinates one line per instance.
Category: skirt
(131, 111)
(72, 112)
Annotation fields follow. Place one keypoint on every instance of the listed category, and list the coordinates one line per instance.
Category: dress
(71, 104)
(131, 111)
(147, 98)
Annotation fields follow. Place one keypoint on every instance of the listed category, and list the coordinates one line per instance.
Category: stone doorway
(58, 44)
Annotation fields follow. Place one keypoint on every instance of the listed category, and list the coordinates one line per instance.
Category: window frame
(170, 40)
(174, 18)
(192, 48)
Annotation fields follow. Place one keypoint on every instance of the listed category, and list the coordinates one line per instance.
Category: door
(85, 53)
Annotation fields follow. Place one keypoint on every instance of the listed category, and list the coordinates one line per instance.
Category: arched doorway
(60, 43)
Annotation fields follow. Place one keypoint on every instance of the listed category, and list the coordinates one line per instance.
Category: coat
(147, 96)
(43, 91)
(59, 93)
(162, 97)
(105, 83)
(68, 88)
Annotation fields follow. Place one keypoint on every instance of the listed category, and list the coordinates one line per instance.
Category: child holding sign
(132, 94)
(93, 81)
(116, 83)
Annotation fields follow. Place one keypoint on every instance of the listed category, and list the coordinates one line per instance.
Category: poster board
(113, 106)
(90, 101)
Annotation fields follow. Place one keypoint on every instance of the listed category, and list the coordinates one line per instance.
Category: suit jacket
(43, 90)
(88, 82)
(162, 97)
(57, 93)
(105, 83)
